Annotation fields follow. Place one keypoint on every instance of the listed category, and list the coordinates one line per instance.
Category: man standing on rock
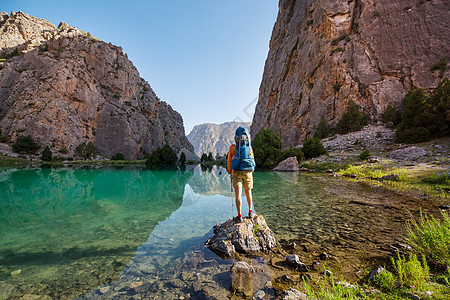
(240, 165)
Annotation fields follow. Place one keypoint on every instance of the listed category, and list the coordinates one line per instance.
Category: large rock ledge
(250, 236)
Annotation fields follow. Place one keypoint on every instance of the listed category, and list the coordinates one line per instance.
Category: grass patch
(256, 229)
(374, 171)
(412, 272)
(431, 237)
(323, 167)
(405, 179)
(442, 178)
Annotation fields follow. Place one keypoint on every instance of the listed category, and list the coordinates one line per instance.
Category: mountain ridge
(324, 53)
(64, 87)
(214, 138)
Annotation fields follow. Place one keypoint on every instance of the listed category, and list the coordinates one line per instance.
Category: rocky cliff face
(64, 87)
(214, 138)
(323, 53)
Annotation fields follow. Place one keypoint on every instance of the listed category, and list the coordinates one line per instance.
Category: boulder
(289, 164)
(410, 153)
(250, 236)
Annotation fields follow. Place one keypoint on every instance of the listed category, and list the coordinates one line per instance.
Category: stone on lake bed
(242, 267)
(250, 236)
(136, 284)
(294, 294)
(259, 295)
(375, 273)
(16, 272)
(295, 262)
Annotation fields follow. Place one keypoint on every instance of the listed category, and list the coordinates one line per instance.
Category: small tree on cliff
(46, 154)
(210, 157)
(86, 151)
(25, 145)
(322, 129)
(182, 159)
(352, 119)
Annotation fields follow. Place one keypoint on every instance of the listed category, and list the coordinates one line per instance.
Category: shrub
(25, 145)
(3, 139)
(46, 154)
(322, 129)
(412, 272)
(182, 159)
(313, 147)
(431, 237)
(63, 150)
(118, 156)
(266, 148)
(292, 151)
(440, 66)
(364, 155)
(352, 119)
(162, 156)
(386, 281)
(86, 151)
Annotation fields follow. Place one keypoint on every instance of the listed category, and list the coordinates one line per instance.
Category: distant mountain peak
(214, 138)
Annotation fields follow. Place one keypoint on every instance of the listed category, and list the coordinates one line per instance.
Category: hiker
(240, 165)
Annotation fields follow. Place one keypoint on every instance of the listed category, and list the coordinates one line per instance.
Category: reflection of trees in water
(215, 181)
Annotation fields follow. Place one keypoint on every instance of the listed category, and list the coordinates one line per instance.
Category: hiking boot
(251, 215)
(238, 219)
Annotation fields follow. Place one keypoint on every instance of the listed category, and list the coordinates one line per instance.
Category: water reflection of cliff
(88, 219)
(212, 181)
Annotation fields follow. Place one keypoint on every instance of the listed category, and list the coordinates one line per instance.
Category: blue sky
(204, 57)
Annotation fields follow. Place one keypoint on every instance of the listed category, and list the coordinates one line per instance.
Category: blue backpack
(242, 159)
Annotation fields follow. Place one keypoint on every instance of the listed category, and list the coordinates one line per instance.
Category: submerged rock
(376, 273)
(251, 235)
(295, 262)
(242, 267)
(294, 294)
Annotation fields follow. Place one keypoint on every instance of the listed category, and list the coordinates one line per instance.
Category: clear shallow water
(71, 231)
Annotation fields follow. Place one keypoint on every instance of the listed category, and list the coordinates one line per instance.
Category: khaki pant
(239, 178)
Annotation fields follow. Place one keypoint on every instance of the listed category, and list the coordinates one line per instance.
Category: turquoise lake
(86, 232)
